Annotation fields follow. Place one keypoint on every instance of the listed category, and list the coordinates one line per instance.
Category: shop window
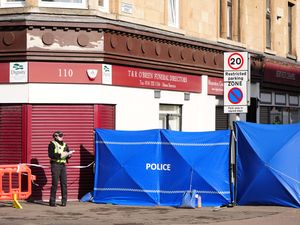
(230, 19)
(284, 115)
(294, 115)
(170, 117)
(268, 24)
(276, 116)
(280, 99)
(173, 13)
(63, 3)
(266, 97)
(103, 5)
(12, 3)
(294, 100)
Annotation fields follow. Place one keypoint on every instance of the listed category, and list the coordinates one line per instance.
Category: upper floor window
(290, 28)
(173, 13)
(103, 5)
(268, 24)
(63, 3)
(230, 19)
(12, 3)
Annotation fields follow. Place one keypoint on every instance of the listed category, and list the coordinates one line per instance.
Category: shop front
(38, 98)
(280, 94)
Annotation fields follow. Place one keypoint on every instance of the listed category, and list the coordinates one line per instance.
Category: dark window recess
(252, 109)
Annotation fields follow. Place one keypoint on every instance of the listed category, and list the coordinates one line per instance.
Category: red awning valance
(282, 74)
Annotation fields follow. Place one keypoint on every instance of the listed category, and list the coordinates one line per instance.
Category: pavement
(87, 213)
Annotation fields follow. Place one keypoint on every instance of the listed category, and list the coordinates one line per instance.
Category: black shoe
(52, 204)
(64, 204)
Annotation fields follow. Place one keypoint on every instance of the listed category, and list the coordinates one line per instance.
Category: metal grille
(264, 115)
(221, 119)
(10, 134)
(77, 123)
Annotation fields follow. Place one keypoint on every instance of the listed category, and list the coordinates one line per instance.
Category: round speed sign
(235, 61)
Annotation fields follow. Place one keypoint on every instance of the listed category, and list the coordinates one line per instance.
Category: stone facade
(139, 35)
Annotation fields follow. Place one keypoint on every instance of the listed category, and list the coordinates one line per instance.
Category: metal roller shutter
(10, 134)
(221, 119)
(10, 140)
(264, 115)
(77, 123)
(107, 119)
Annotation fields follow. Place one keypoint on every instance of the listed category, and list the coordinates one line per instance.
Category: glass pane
(290, 28)
(266, 97)
(170, 117)
(229, 21)
(290, 38)
(173, 12)
(276, 116)
(295, 116)
(268, 5)
(101, 2)
(63, 1)
(285, 116)
(290, 13)
(268, 33)
(280, 99)
(174, 122)
(162, 122)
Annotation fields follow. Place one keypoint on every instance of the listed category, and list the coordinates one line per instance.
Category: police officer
(59, 154)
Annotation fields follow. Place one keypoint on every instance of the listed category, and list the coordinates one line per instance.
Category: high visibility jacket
(59, 149)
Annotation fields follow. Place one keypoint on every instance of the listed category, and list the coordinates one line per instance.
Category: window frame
(173, 22)
(290, 28)
(268, 32)
(6, 4)
(230, 20)
(69, 5)
(165, 114)
(104, 7)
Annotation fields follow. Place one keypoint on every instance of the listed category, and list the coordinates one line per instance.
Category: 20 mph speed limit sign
(236, 82)
(235, 61)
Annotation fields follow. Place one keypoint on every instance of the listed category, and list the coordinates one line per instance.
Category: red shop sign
(155, 79)
(215, 86)
(53, 72)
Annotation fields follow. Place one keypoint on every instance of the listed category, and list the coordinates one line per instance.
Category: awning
(282, 74)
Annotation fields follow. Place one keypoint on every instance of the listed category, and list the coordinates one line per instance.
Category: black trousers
(59, 173)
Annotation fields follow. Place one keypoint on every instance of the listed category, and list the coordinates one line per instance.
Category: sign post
(236, 82)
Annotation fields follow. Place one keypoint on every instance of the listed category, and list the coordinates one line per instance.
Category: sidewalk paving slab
(87, 213)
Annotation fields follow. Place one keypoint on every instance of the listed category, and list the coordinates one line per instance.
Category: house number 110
(65, 72)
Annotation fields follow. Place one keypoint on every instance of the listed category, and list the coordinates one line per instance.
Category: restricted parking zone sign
(236, 82)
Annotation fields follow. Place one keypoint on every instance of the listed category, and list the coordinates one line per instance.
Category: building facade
(132, 65)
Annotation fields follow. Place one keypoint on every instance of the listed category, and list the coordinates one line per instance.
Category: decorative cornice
(122, 43)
